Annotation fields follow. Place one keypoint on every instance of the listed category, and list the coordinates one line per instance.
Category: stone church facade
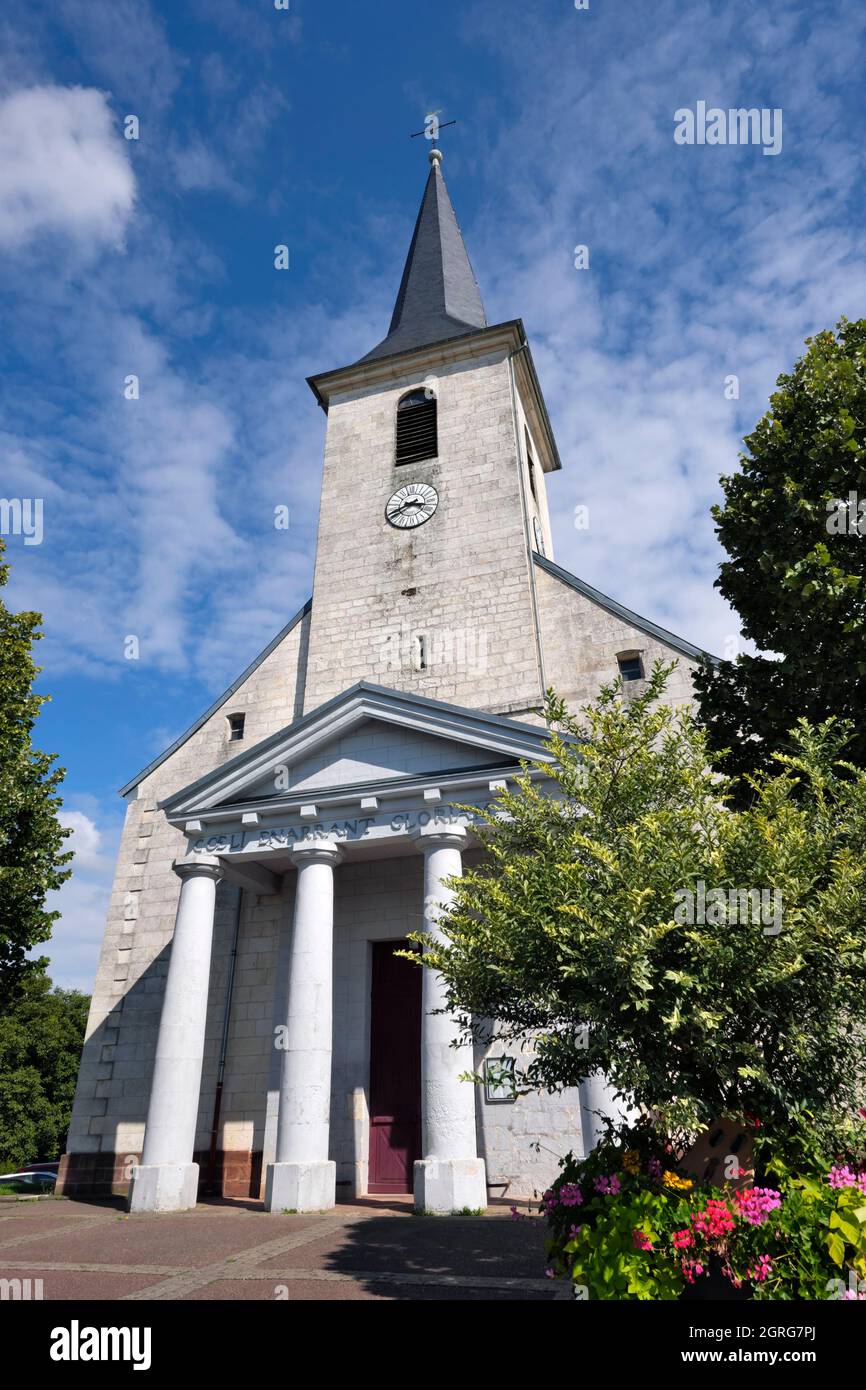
(252, 1032)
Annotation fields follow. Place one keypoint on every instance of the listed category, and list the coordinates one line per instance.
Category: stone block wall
(581, 640)
(461, 579)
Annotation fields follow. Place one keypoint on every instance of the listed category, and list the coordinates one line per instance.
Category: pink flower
(716, 1221)
(570, 1195)
(756, 1203)
(761, 1269)
(692, 1269)
(839, 1177)
(608, 1186)
(655, 1169)
(641, 1242)
(683, 1239)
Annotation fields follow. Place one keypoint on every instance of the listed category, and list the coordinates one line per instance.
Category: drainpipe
(526, 530)
(210, 1186)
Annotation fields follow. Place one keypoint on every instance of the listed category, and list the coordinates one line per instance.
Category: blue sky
(261, 127)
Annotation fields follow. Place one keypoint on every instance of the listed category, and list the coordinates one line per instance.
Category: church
(252, 1032)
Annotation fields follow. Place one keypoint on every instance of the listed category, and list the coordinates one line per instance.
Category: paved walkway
(374, 1250)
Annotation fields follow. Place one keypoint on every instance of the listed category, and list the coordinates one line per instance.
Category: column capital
(315, 852)
(433, 836)
(202, 865)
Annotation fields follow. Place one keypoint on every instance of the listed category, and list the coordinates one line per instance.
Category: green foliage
(31, 838)
(568, 934)
(800, 591)
(41, 1038)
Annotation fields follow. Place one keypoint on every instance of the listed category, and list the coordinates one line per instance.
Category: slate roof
(439, 296)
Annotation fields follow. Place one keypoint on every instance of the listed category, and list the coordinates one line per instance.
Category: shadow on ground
(468, 1258)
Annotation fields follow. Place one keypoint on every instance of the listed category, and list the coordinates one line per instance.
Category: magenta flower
(608, 1186)
(570, 1195)
(840, 1176)
(756, 1203)
(761, 1269)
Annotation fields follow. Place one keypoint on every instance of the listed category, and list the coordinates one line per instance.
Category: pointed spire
(439, 295)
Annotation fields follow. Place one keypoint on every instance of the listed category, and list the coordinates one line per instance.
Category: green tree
(797, 568)
(577, 931)
(31, 837)
(41, 1037)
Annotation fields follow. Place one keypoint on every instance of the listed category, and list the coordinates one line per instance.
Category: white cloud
(63, 168)
(82, 901)
(704, 263)
(84, 841)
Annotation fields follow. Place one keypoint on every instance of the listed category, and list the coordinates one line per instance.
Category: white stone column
(302, 1178)
(450, 1177)
(167, 1178)
(597, 1100)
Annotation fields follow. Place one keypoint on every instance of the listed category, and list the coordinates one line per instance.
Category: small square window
(500, 1086)
(630, 668)
(236, 727)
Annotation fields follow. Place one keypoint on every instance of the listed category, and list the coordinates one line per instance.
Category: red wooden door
(395, 1069)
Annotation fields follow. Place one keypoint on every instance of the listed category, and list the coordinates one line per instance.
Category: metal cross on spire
(431, 130)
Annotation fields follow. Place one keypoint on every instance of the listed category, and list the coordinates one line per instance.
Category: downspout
(539, 652)
(210, 1186)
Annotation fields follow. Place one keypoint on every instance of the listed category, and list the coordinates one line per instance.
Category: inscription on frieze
(355, 828)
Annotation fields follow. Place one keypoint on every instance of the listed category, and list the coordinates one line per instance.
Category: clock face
(412, 505)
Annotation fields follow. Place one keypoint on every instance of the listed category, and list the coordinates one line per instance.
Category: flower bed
(625, 1224)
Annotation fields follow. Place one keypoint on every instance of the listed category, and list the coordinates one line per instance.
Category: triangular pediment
(366, 737)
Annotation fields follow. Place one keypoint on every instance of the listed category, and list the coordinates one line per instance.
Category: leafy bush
(571, 931)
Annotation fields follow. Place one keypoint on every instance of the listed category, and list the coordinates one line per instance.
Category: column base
(444, 1186)
(163, 1187)
(301, 1186)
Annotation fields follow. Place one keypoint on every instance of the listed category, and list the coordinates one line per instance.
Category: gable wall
(581, 640)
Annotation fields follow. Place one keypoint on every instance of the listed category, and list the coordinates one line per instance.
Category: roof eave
(324, 385)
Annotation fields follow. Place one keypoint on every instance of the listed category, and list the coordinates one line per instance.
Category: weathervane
(432, 127)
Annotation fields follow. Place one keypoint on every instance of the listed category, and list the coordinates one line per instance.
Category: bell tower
(433, 495)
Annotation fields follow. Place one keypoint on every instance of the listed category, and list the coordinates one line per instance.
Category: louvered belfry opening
(416, 428)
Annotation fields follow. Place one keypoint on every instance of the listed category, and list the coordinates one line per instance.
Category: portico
(257, 842)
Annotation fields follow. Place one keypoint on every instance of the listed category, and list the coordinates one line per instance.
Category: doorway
(395, 1069)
